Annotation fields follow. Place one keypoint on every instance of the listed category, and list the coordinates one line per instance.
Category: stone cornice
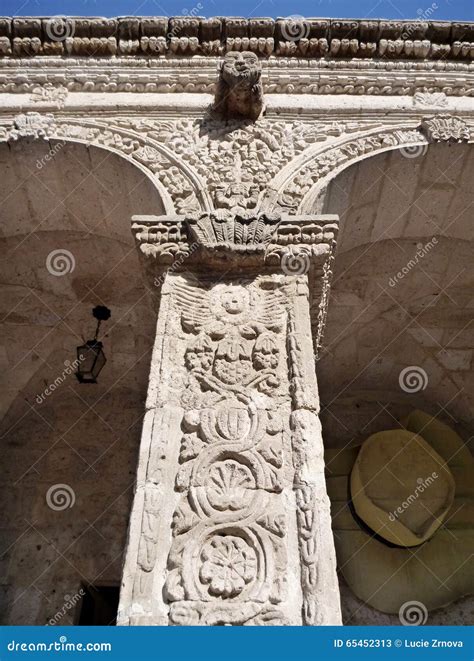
(280, 75)
(192, 35)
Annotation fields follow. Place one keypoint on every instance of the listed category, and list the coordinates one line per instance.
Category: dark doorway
(99, 605)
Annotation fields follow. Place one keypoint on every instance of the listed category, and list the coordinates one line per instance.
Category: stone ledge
(306, 37)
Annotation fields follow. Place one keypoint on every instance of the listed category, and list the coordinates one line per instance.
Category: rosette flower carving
(229, 564)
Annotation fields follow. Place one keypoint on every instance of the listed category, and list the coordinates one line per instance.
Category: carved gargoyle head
(241, 68)
(239, 92)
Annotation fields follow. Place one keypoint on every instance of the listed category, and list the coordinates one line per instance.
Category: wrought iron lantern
(90, 356)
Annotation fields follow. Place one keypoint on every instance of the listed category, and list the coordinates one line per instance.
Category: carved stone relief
(445, 128)
(238, 166)
(228, 559)
(238, 160)
(239, 91)
(246, 490)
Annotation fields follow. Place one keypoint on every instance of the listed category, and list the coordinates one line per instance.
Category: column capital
(250, 238)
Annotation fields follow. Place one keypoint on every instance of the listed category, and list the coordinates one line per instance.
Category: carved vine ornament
(237, 166)
(237, 360)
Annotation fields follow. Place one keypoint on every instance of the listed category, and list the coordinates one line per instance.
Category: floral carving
(237, 160)
(200, 354)
(242, 232)
(445, 128)
(228, 565)
(228, 485)
(265, 353)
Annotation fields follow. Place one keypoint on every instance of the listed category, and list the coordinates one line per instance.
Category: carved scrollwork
(229, 548)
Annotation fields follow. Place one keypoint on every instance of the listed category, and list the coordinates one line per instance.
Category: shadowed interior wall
(69, 451)
(391, 311)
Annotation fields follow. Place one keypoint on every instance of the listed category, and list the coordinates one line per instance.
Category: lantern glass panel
(91, 360)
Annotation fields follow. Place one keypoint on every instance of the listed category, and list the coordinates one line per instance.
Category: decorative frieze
(258, 238)
(371, 77)
(190, 35)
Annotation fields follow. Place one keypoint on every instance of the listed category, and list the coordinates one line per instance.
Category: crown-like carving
(445, 128)
(255, 237)
(31, 125)
(240, 233)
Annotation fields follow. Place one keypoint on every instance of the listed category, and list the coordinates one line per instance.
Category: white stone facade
(239, 226)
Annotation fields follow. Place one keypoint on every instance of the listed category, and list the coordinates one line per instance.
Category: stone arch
(400, 291)
(179, 186)
(300, 184)
(399, 338)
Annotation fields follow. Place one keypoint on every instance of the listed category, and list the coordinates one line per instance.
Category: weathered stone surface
(239, 91)
(293, 36)
(233, 382)
(104, 119)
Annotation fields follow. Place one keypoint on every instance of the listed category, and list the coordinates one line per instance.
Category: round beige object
(400, 487)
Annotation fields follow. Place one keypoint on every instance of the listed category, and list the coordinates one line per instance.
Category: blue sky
(395, 9)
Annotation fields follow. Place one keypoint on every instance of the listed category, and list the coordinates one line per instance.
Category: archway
(69, 450)
(399, 334)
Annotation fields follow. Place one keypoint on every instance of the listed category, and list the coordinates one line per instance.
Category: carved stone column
(230, 522)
